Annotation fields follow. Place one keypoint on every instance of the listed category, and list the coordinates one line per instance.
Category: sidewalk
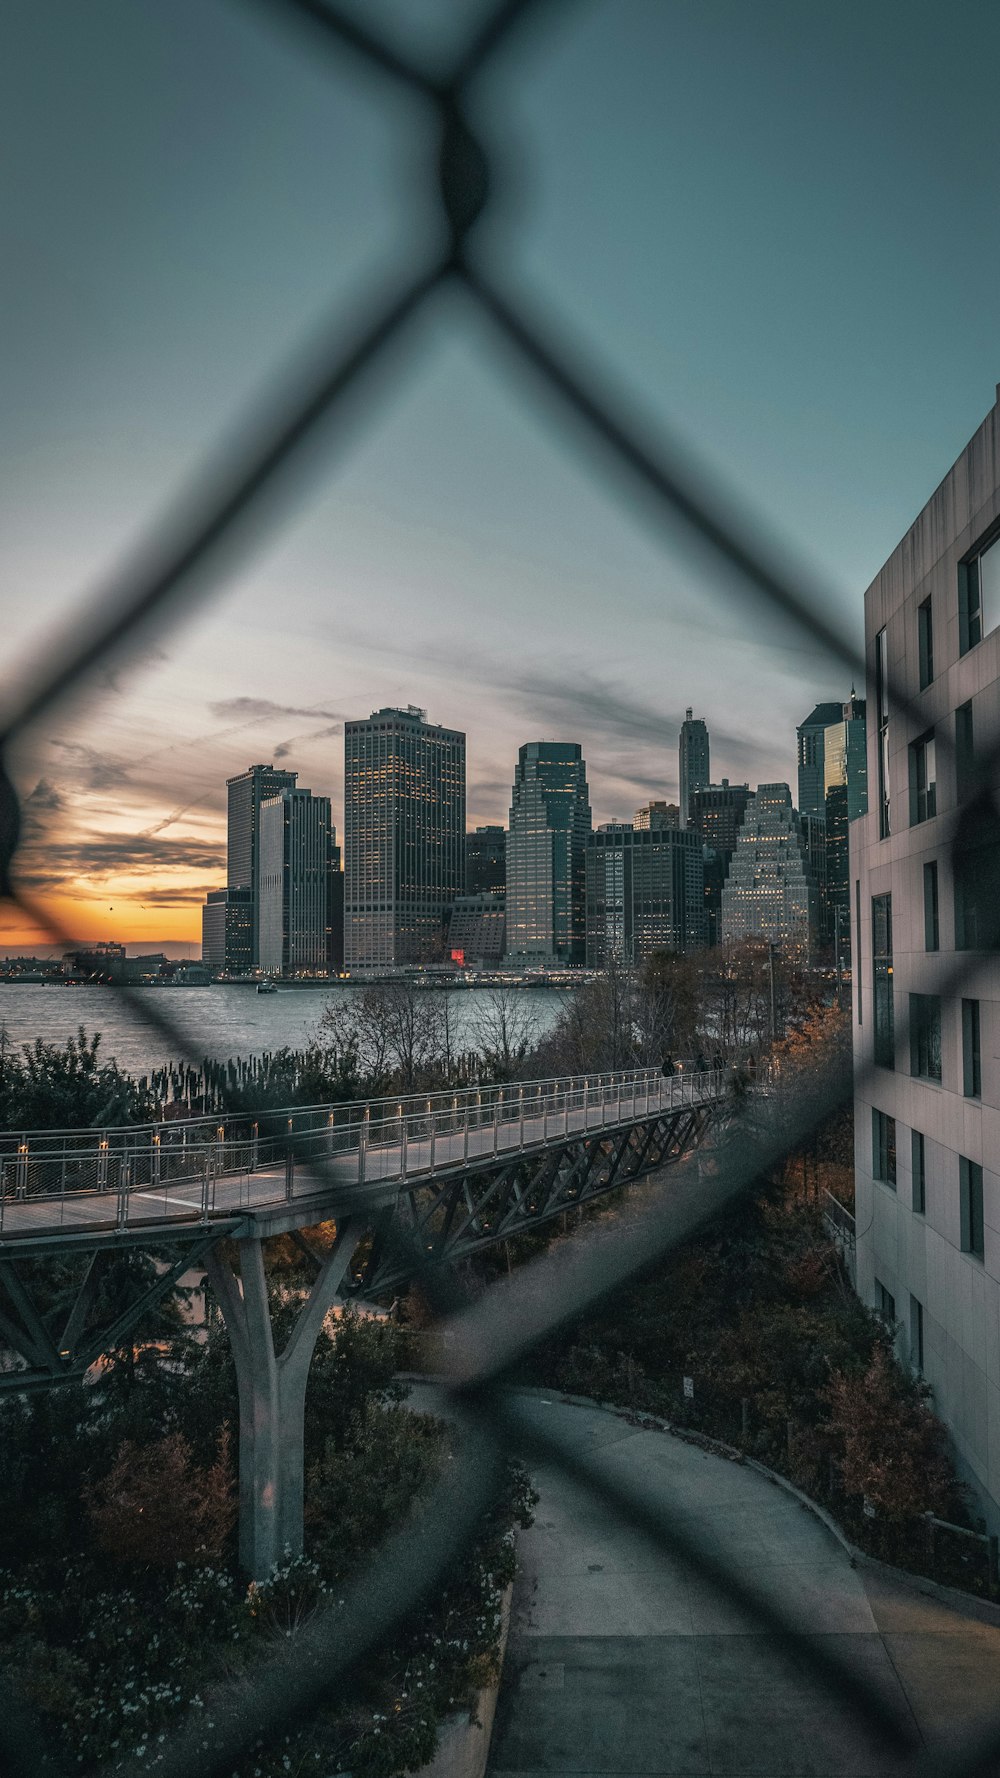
(618, 1664)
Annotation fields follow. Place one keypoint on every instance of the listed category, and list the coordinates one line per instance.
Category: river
(218, 1022)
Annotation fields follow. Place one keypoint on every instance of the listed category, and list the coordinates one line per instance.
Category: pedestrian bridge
(70, 1187)
(399, 1184)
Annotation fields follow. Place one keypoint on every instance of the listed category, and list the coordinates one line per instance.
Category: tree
(396, 1034)
(48, 1086)
(156, 1507)
(895, 1453)
(504, 1030)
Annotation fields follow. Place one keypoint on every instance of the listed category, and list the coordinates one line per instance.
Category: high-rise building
(477, 931)
(845, 787)
(299, 861)
(695, 771)
(717, 812)
(659, 814)
(246, 792)
(770, 892)
(645, 893)
(546, 855)
(404, 837)
(811, 751)
(925, 895)
(486, 861)
(227, 922)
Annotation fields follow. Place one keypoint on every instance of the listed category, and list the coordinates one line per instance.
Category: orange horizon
(87, 921)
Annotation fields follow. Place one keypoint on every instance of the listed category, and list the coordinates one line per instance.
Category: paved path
(617, 1664)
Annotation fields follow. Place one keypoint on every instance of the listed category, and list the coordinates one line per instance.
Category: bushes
(157, 1508)
(785, 1361)
(134, 1474)
(46, 1086)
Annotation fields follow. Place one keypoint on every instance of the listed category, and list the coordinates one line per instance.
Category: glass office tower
(404, 837)
(546, 856)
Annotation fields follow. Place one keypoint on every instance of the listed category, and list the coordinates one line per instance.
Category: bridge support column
(272, 1395)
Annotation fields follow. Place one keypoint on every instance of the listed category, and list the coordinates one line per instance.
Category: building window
(925, 640)
(932, 933)
(918, 1154)
(923, 779)
(977, 874)
(856, 946)
(970, 1179)
(925, 1036)
(884, 1148)
(917, 1335)
(965, 752)
(972, 1075)
(978, 596)
(885, 1302)
(884, 1028)
(882, 717)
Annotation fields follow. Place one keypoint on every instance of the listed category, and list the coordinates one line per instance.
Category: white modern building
(925, 912)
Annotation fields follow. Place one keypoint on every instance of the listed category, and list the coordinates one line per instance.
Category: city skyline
(177, 233)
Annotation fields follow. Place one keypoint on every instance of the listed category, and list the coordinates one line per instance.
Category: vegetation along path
(618, 1663)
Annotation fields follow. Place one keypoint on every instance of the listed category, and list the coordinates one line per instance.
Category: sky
(771, 233)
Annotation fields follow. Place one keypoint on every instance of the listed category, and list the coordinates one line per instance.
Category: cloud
(95, 769)
(177, 898)
(102, 858)
(247, 710)
(284, 748)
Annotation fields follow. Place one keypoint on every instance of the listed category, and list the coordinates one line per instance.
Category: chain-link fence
(490, 1337)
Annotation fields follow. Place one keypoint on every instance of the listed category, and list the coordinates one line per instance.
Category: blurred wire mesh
(172, 570)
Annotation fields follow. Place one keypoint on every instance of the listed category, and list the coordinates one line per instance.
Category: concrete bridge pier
(272, 1395)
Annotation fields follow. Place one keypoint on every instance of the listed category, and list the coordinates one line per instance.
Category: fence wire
(492, 1335)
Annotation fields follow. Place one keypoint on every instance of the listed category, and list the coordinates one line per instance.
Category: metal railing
(207, 1167)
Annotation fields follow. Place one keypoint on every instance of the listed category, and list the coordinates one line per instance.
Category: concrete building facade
(645, 893)
(404, 837)
(546, 856)
(925, 929)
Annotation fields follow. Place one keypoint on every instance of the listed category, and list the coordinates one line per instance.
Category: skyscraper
(546, 855)
(246, 792)
(695, 772)
(645, 893)
(404, 837)
(657, 814)
(845, 792)
(811, 753)
(486, 861)
(227, 931)
(299, 859)
(717, 812)
(770, 891)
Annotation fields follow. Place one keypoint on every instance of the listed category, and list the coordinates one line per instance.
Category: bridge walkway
(391, 1148)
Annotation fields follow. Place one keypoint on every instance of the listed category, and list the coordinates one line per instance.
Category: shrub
(156, 1507)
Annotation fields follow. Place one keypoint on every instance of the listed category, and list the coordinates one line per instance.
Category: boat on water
(266, 986)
